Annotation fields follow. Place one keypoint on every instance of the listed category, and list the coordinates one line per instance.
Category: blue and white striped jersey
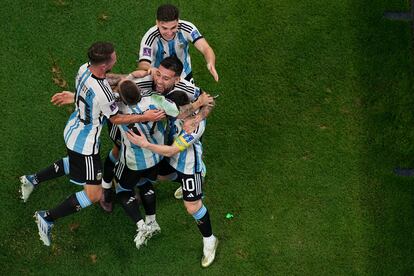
(154, 48)
(146, 85)
(135, 157)
(94, 100)
(189, 159)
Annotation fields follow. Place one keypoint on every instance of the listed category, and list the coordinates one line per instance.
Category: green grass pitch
(315, 110)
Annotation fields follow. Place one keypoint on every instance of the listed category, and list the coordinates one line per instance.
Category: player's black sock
(147, 194)
(108, 195)
(55, 170)
(74, 203)
(202, 218)
(109, 166)
(130, 205)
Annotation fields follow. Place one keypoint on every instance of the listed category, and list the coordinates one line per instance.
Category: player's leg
(192, 194)
(109, 165)
(168, 173)
(84, 170)
(148, 198)
(127, 179)
(31, 181)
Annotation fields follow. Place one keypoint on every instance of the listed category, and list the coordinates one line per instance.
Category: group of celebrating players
(155, 116)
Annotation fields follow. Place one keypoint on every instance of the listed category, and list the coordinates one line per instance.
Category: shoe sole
(178, 195)
(44, 239)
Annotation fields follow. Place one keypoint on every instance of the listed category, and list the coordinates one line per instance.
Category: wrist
(130, 76)
(197, 104)
(142, 117)
(197, 119)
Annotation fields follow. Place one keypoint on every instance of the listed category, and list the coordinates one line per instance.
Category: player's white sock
(106, 185)
(149, 219)
(140, 223)
(209, 240)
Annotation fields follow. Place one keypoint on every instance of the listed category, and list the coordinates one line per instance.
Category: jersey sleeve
(106, 101)
(190, 31)
(185, 140)
(189, 88)
(148, 45)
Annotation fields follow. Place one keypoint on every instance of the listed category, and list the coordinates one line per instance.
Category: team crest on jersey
(113, 106)
(147, 52)
(195, 34)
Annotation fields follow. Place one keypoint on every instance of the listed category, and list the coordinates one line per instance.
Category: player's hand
(62, 98)
(213, 72)
(190, 125)
(139, 140)
(137, 74)
(154, 115)
(152, 71)
(205, 100)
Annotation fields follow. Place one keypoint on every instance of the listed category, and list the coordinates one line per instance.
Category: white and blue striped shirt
(154, 48)
(146, 85)
(94, 100)
(135, 157)
(189, 159)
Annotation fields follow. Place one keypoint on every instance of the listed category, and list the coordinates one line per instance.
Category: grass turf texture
(315, 111)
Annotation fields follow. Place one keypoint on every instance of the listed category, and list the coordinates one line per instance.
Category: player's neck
(97, 72)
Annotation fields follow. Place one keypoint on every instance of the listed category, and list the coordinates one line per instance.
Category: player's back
(94, 99)
(134, 156)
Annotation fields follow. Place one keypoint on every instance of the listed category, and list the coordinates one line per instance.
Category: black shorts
(128, 178)
(84, 169)
(114, 133)
(192, 184)
(164, 167)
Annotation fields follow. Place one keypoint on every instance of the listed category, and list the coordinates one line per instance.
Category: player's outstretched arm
(113, 79)
(208, 53)
(141, 141)
(137, 74)
(144, 65)
(149, 115)
(204, 100)
(62, 98)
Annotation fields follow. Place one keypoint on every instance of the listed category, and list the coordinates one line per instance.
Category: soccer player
(165, 80)
(172, 36)
(94, 101)
(185, 158)
(138, 167)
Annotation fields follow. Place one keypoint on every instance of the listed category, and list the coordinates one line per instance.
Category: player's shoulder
(189, 88)
(186, 26)
(101, 88)
(144, 83)
(82, 69)
(151, 35)
(184, 83)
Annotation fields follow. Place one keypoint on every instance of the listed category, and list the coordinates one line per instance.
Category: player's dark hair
(167, 13)
(173, 63)
(100, 52)
(129, 92)
(180, 98)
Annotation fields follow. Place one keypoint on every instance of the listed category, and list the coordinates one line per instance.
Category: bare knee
(193, 206)
(115, 152)
(94, 192)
